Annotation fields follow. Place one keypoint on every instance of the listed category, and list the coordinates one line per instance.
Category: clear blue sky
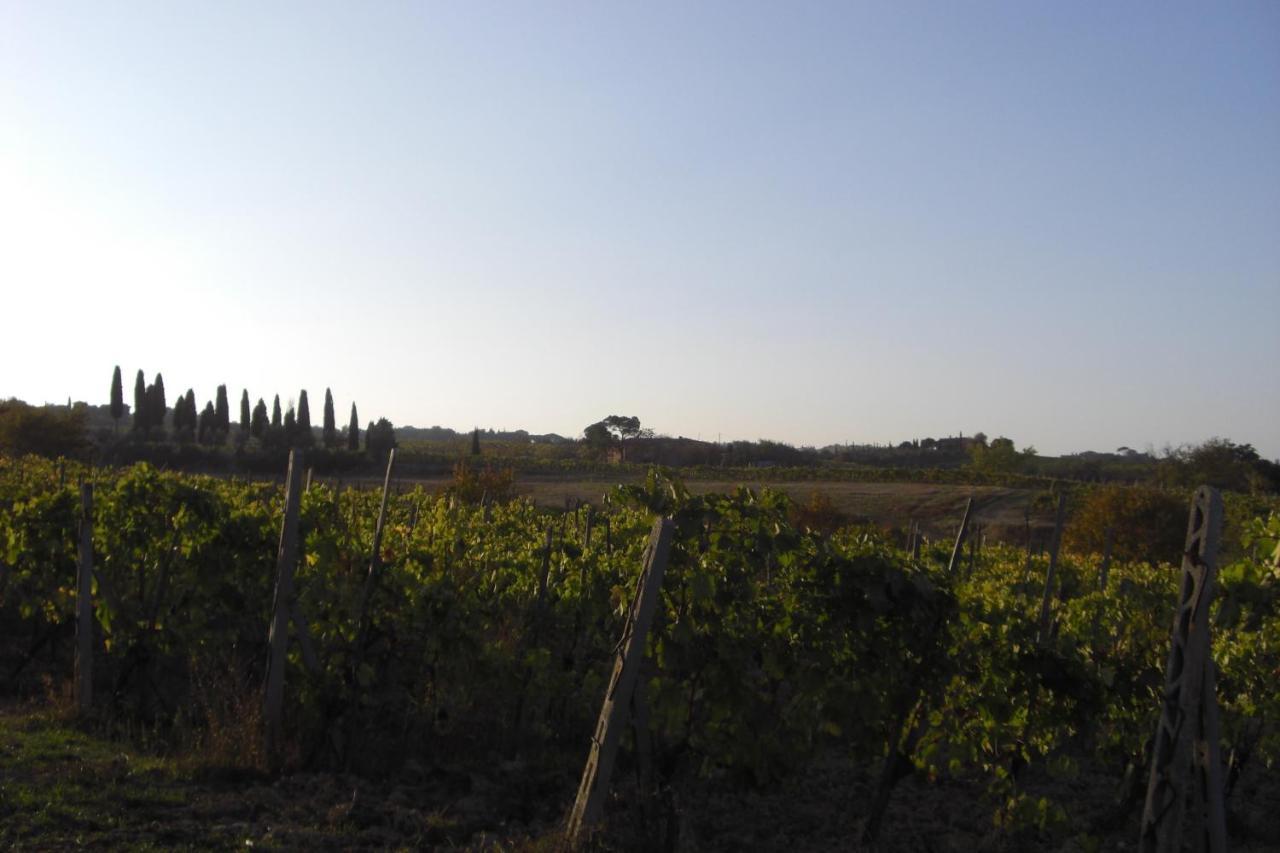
(813, 222)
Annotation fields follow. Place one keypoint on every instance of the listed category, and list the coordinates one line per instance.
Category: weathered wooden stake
(545, 574)
(588, 808)
(278, 638)
(84, 604)
(957, 549)
(1108, 539)
(1047, 596)
(375, 562)
(1187, 735)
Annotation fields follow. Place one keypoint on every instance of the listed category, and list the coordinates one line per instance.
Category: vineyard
(798, 689)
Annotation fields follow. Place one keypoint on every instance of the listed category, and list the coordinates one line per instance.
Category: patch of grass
(62, 787)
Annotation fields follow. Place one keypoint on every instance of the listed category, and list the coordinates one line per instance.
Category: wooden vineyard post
(375, 559)
(1185, 763)
(588, 808)
(544, 575)
(278, 639)
(1047, 596)
(1108, 540)
(413, 518)
(957, 549)
(84, 604)
(1104, 571)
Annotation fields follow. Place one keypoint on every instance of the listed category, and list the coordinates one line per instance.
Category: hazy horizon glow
(817, 223)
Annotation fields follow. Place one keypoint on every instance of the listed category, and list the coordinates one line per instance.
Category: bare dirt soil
(1005, 513)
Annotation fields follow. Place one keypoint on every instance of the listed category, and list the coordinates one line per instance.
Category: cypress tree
(258, 428)
(117, 398)
(290, 426)
(159, 406)
(475, 441)
(304, 436)
(179, 415)
(353, 431)
(184, 416)
(208, 429)
(139, 403)
(222, 412)
(330, 433)
(244, 412)
(275, 413)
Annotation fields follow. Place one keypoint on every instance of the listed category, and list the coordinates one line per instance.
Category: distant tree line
(153, 421)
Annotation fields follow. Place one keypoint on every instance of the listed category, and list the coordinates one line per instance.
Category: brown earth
(937, 507)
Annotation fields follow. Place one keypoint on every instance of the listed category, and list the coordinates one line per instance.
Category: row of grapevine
(492, 628)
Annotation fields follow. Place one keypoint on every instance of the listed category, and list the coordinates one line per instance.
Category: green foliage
(379, 438)
(999, 457)
(776, 639)
(615, 428)
(1222, 463)
(818, 513)
(1146, 523)
(45, 431)
(474, 485)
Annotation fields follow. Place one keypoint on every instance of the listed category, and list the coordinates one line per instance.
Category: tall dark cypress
(117, 398)
(290, 427)
(245, 417)
(222, 412)
(353, 431)
(330, 432)
(184, 416)
(258, 428)
(179, 415)
(207, 431)
(275, 413)
(140, 403)
(304, 438)
(159, 406)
